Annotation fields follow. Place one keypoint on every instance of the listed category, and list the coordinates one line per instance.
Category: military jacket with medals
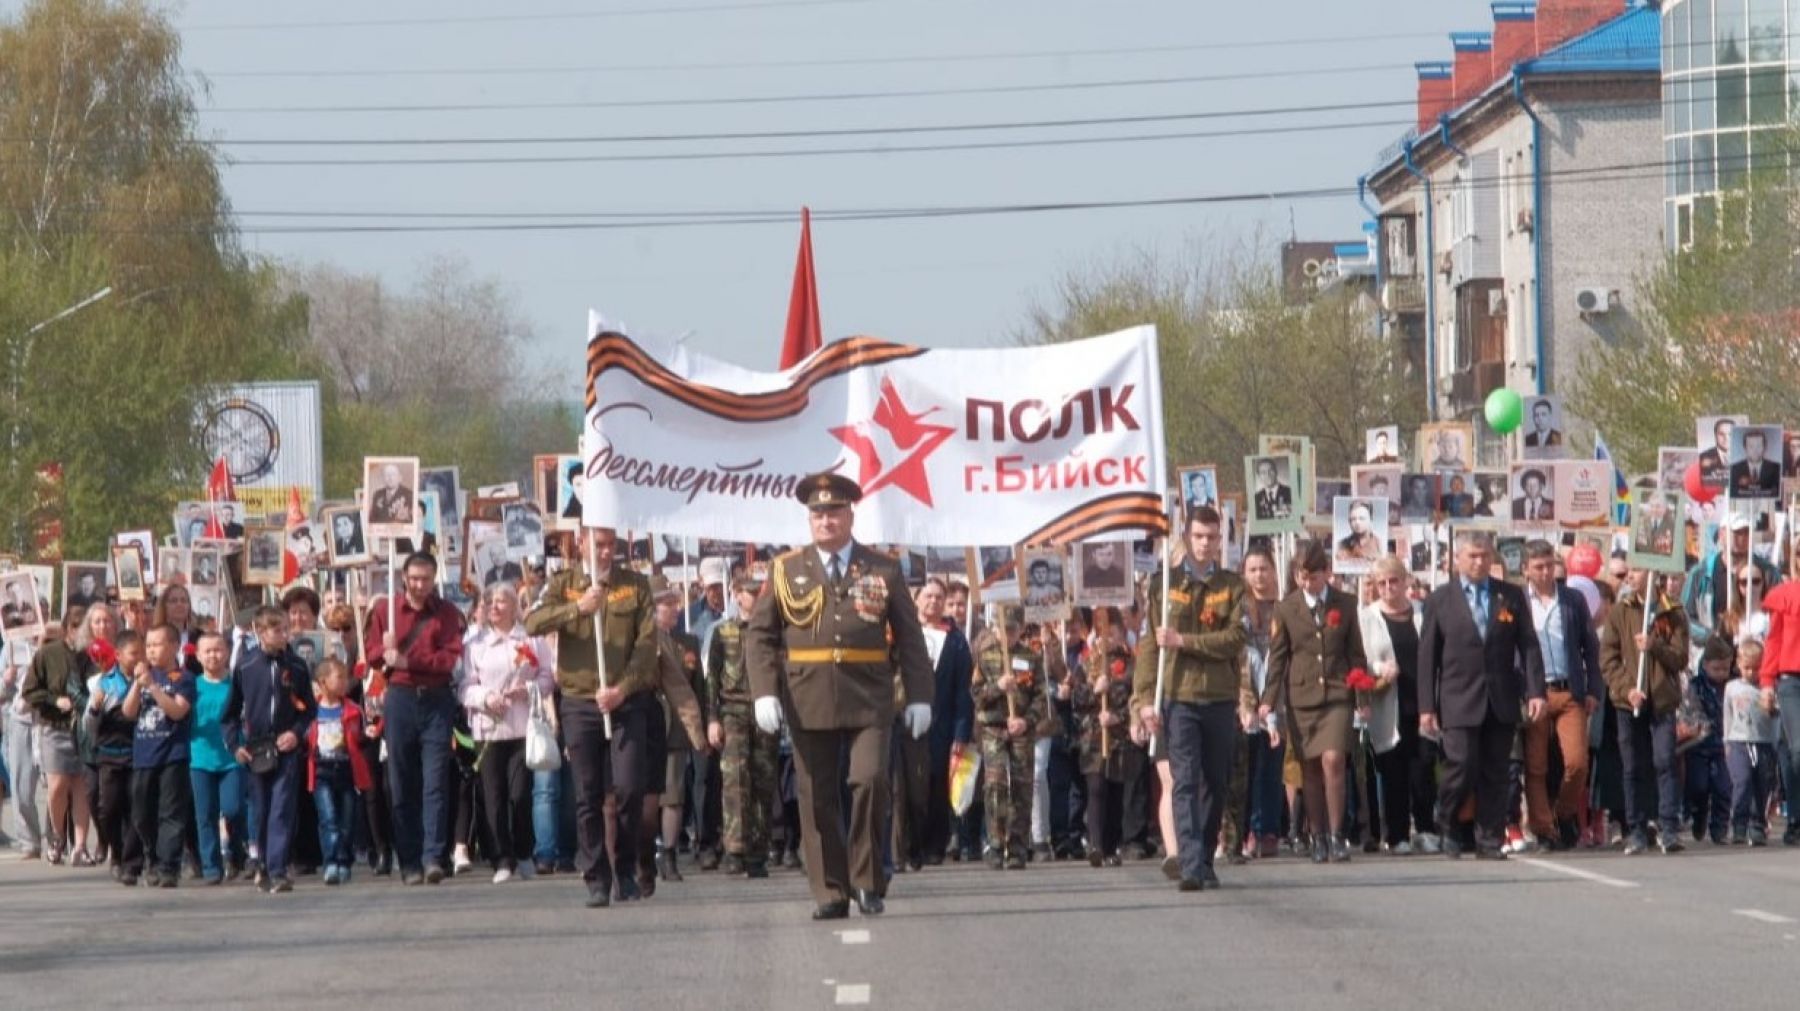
(831, 652)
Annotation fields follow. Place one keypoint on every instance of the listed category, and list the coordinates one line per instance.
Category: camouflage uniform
(1008, 762)
(750, 758)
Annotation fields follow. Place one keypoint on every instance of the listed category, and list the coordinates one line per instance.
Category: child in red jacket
(336, 767)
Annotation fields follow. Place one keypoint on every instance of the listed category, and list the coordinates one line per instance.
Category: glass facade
(1731, 81)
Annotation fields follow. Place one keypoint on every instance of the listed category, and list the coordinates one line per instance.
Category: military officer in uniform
(621, 598)
(1010, 706)
(819, 654)
(748, 757)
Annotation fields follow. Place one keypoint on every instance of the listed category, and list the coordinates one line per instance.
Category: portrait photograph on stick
(1656, 543)
(1447, 445)
(1382, 445)
(1755, 470)
(205, 568)
(263, 548)
(1534, 498)
(128, 572)
(347, 543)
(1541, 437)
(84, 583)
(1043, 584)
(1273, 504)
(1359, 529)
(390, 495)
(21, 613)
(1378, 481)
(145, 541)
(1199, 487)
(1103, 574)
(1712, 436)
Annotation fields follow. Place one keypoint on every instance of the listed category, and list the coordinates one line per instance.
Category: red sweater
(353, 747)
(1781, 652)
(431, 659)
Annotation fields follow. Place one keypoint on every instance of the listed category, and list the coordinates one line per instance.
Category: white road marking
(1763, 917)
(1577, 872)
(853, 993)
(853, 936)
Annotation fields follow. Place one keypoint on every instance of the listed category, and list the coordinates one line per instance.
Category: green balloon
(1504, 409)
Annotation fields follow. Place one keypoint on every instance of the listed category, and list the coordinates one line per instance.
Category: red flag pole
(804, 333)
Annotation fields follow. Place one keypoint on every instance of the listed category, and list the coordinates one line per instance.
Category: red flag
(218, 489)
(296, 518)
(804, 333)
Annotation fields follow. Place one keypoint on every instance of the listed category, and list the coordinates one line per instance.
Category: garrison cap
(827, 490)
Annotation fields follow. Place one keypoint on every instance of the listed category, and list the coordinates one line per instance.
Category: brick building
(1515, 217)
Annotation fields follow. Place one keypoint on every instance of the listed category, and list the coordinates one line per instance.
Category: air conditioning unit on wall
(1594, 301)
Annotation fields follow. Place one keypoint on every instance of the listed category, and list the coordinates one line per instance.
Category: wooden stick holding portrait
(599, 636)
(1162, 652)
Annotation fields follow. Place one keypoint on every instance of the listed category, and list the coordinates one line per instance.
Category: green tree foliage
(1720, 334)
(105, 182)
(1239, 359)
(433, 371)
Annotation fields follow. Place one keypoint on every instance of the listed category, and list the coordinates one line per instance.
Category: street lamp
(22, 362)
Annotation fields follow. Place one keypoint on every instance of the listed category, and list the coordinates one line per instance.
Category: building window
(1733, 91)
(1767, 30)
(1728, 32)
(1768, 99)
(1700, 33)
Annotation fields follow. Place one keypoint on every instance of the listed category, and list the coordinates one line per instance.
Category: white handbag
(541, 751)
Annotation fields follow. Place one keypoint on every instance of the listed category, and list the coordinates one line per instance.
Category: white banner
(1051, 444)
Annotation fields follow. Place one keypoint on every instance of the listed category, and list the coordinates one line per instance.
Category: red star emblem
(912, 441)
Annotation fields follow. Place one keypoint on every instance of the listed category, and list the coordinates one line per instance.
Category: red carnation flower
(1334, 618)
(189, 649)
(101, 652)
(525, 654)
(1358, 680)
(1118, 668)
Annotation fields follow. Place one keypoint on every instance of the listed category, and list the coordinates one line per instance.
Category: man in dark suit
(1573, 689)
(1713, 459)
(1533, 504)
(1542, 434)
(1755, 476)
(1273, 500)
(820, 659)
(1478, 661)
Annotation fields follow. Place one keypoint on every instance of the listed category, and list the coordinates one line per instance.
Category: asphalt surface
(1710, 928)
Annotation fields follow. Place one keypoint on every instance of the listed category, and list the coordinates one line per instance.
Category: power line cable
(825, 62)
(654, 10)
(840, 96)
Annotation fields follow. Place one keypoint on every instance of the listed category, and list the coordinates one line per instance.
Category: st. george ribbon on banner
(1021, 445)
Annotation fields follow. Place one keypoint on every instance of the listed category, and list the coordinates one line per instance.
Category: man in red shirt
(418, 655)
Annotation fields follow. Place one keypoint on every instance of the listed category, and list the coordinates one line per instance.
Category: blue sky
(939, 281)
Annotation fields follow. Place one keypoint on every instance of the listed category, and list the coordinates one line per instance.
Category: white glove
(918, 719)
(768, 714)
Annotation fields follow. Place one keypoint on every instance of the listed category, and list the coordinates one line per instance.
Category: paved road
(1706, 929)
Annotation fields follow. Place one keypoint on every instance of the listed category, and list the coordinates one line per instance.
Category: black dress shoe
(832, 910)
(626, 890)
(1094, 857)
(599, 896)
(1489, 853)
(1188, 885)
(868, 903)
(1208, 877)
(756, 870)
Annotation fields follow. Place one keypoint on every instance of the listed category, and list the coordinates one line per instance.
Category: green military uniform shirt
(629, 629)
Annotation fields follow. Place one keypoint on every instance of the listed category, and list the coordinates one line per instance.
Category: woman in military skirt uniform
(1315, 660)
